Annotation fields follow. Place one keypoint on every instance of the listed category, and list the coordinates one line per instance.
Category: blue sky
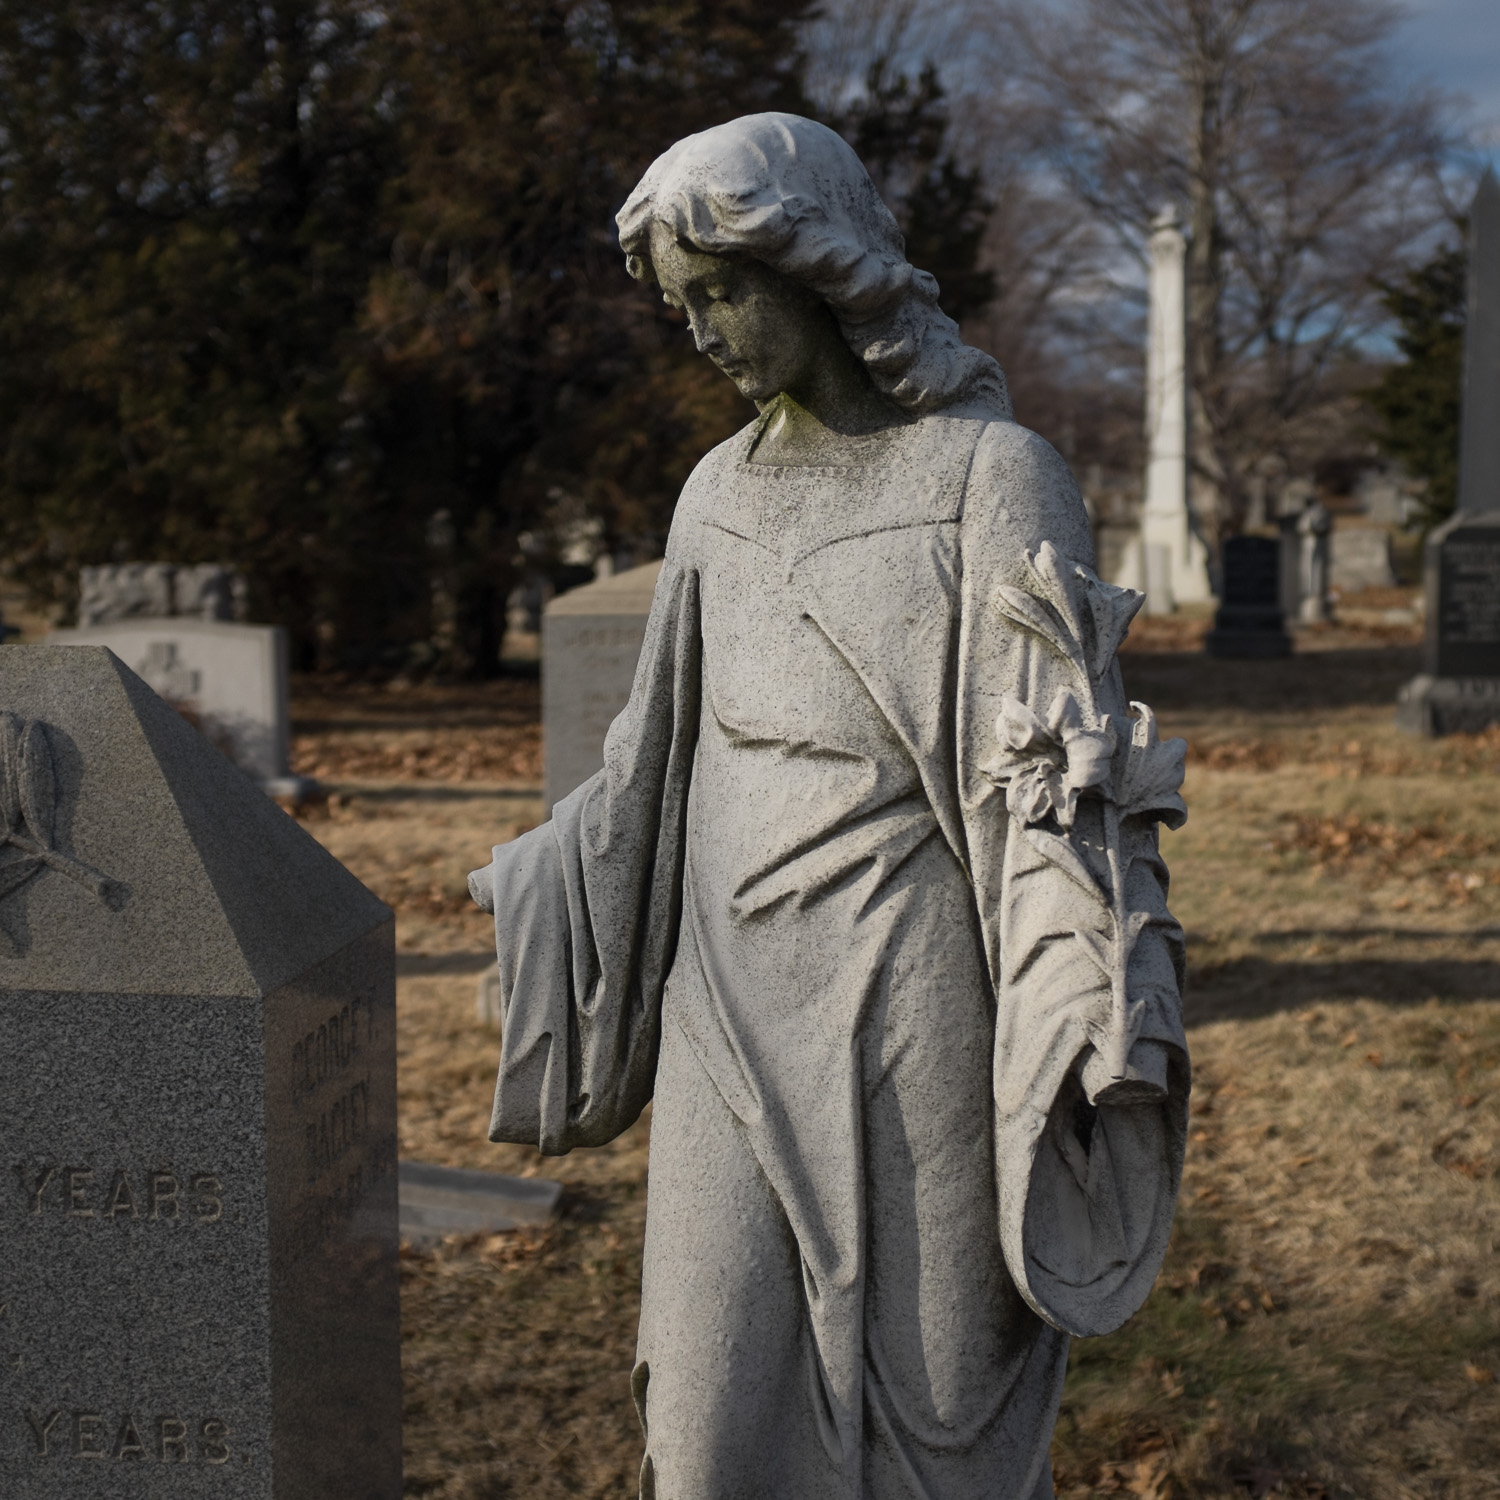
(1456, 45)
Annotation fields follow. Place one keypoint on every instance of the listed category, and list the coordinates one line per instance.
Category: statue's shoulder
(713, 471)
(1021, 492)
(703, 496)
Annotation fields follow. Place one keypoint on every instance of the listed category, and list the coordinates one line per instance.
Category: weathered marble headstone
(1359, 557)
(133, 591)
(197, 1103)
(1170, 562)
(1459, 686)
(591, 640)
(1250, 623)
(1313, 528)
(124, 591)
(230, 680)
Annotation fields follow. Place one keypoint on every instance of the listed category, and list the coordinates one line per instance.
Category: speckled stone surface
(197, 1104)
(867, 897)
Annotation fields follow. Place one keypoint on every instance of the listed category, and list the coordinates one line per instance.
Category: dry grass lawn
(1328, 1321)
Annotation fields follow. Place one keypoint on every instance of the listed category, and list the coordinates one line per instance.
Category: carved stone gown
(788, 909)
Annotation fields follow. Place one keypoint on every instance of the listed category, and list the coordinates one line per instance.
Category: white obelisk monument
(1170, 562)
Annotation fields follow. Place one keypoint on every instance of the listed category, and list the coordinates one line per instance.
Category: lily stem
(1119, 1039)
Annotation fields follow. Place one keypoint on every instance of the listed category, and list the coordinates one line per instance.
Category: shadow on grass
(1361, 677)
(1249, 988)
(1224, 1372)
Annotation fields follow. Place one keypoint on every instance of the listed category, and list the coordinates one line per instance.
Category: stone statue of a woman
(867, 896)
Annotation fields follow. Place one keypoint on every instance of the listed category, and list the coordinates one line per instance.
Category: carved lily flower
(1045, 765)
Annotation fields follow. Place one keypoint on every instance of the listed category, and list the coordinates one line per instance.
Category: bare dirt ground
(1328, 1320)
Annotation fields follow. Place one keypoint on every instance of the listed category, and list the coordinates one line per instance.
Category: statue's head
(778, 214)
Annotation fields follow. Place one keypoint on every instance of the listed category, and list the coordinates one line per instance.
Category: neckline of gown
(757, 429)
(921, 483)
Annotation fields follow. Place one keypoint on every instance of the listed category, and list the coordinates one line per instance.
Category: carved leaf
(10, 769)
(1059, 849)
(1098, 949)
(1152, 776)
(1057, 580)
(1112, 608)
(1033, 614)
(1073, 609)
(38, 783)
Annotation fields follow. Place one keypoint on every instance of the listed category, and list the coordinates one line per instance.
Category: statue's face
(763, 331)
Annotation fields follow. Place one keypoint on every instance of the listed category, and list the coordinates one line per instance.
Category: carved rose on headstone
(28, 808)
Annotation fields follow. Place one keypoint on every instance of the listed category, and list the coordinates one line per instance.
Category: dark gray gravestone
(1479, 442)
(1250, 620)
(197, 1105)
(1459, 688)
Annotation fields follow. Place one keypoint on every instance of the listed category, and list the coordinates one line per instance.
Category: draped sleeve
(1090, 1078)
(587, 908)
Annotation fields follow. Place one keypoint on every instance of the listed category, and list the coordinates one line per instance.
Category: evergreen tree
(1417, 401)
(188, 196)
(899, 128)
(331, 291)
(521, 375)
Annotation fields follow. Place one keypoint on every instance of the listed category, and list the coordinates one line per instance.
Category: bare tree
(1306, 172)
(1044, 254)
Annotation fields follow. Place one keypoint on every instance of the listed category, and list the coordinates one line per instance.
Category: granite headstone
(1479, 424)
(1458, 689)
(591, 640)
(197, 1100)
(1249, 622)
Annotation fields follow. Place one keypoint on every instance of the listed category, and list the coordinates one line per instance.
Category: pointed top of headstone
(1479, 442)
(135, 859)
(1488, 191)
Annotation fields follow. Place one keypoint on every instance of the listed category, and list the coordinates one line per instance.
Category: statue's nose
(706, 339)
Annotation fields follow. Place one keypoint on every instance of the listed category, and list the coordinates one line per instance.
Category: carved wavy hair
(792, 194)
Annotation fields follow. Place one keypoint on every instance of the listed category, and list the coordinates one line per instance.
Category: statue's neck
(827, 426)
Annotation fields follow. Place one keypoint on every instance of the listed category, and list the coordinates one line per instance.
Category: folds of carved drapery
(587, 909)
(1063, 786)
(1009, 700)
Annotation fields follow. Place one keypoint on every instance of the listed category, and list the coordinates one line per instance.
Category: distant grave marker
(1458, 689)
(1250, 622)
(1359, 557)
(591, 640)
(229, 680)
(197, 1101)
(438, 1201)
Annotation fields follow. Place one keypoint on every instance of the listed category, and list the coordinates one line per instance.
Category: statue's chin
(752, 389)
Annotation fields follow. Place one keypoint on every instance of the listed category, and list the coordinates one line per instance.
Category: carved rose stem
(64, 864)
